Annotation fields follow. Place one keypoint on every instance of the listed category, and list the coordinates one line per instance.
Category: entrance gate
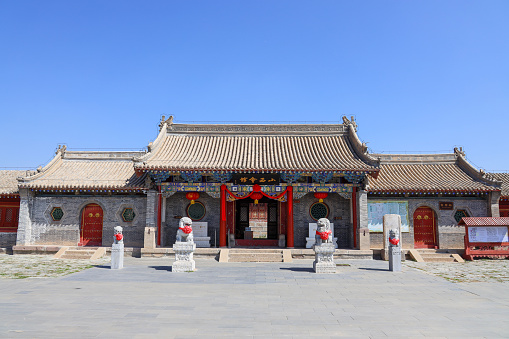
(424, 228)
(91, 226)
(256, 224)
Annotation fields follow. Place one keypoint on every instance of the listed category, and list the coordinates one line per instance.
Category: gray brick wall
(176, 206)
(450, 235)
(7, 239)
(339, 208)
(45, 231)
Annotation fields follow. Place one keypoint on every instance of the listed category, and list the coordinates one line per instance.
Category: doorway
(91, 226)
(424, 228)
(256, 223)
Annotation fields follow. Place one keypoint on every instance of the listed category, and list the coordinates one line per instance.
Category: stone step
(80, 252)
(75, 256)
(262, 250)
(255, 258)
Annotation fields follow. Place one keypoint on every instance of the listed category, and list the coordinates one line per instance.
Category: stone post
(493, 204)
(149, 240)
(392, 243)
(362, 228)
(151, 215)
(24, 233)
(117, 249)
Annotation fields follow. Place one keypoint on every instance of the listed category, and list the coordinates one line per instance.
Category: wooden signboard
(486, 237)
(447, 206)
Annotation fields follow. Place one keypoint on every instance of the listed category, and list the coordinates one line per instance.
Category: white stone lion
(118, 237)
(323, 231)
(185, 231)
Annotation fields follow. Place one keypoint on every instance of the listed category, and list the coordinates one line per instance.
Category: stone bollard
(117, 249)
(324, 248)
(394, 251)
(392, 243)
(184, 247)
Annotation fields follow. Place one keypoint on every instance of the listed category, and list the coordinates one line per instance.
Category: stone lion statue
(394, 236)
(185, 231)
(118, 237)
(323, 231)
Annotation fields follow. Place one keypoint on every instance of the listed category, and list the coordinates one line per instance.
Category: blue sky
(419, 76)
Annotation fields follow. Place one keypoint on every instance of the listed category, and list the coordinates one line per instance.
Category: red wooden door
(504, 208)
(9, 216)
(424, 228)
(92, 226)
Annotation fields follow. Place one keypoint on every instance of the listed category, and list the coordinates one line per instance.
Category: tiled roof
(504, 177)
(181, 147)
(484, 221)
(88, 170)
(8, 182)
(428, 173)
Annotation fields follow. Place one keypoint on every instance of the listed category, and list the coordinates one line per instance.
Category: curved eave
(9, 195)
(139, 170)
(86, 189)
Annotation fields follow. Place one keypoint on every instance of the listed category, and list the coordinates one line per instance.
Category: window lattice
(273, 214)
(244, 214)
(9, 214)
(319, 210)
(57, 214)
(460, 214)
(128, 215)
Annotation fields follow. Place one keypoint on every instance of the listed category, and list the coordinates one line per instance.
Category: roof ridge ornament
(350, 122)
(168, 121)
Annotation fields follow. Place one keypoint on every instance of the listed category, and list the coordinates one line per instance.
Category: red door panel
(424, 228)
(92, 226)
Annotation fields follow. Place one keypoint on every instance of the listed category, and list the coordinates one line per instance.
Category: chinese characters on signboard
(446, 205)
(252, 179)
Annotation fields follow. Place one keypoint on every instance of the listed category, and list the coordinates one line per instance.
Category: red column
(354, 216)
(222, 220)
(289, 227)
(159, 204)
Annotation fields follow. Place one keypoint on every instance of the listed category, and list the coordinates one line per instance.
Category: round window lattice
(196, 211)
(57, 214)
(319, 210)
(128, 214)
(460, 214)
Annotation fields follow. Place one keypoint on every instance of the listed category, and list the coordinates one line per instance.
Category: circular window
(319, 210)
(196, 211)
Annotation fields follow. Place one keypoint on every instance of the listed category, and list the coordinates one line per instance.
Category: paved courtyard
(254, 300)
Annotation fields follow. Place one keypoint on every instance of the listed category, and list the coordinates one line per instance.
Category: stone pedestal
(324, 261)
(117, 256)
(183, 257)
(394, 258)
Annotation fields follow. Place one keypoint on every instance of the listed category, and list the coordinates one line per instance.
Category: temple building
(248, 185)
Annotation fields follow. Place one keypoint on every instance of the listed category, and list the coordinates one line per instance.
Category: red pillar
(289, 227)
(354, 216)
(159, 204)
(222, 220)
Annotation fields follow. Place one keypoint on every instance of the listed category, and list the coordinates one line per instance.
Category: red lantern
(320, 196)
(192, 196)
(256, 196)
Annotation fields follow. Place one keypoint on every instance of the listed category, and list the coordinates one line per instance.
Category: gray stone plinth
(324, 258)
(117, 256)
(394, 258)
(183, 257)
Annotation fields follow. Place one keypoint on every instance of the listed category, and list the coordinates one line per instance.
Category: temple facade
(248, 185)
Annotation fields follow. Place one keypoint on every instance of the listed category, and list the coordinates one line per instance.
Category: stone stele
(183, 257)
(324, 258)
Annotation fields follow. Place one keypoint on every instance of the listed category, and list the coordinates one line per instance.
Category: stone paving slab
(251, 300)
